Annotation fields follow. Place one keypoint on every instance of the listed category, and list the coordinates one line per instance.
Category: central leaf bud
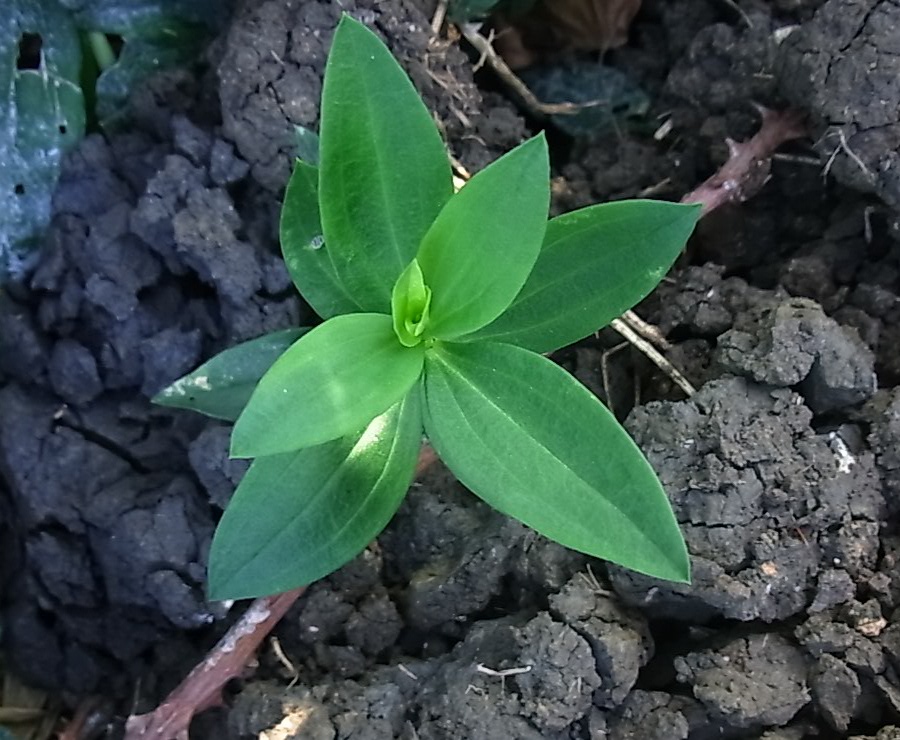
(410, 303)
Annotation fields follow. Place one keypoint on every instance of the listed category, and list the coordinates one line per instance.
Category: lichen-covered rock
(560, 675)
(450, 549)
(837, 634)
(884, 438)
(700, 300)
(652, 715)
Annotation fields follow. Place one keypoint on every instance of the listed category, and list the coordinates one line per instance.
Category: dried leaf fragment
(554, 26)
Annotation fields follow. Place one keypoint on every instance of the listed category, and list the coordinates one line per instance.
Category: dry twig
(440, 14)
(502, 674)
(83, 721)
(488, 54)
(844, 146)
(654, 355)
(648, 331)
(202, 689)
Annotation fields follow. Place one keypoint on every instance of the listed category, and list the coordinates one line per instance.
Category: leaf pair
(436, 307)
(298, 516)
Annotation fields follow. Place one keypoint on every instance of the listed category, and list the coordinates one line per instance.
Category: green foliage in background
(59, 71)
(462, 11)
(437, 306)
(609, 96)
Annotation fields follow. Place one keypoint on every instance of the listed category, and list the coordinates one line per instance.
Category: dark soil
(783, 469)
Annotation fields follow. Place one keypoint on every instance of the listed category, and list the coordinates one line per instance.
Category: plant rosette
(438, 308)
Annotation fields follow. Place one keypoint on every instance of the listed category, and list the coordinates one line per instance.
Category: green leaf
(297, 517)
(479, 251)
(155, 35)
(531, 441)
(222, 386)
(306, 142)
(332, 381)
(384, 172)
(463, 11)
(595, 264)
(303, 246)
(410, 305)
(149, 17)
(140, 58)
(41, 118)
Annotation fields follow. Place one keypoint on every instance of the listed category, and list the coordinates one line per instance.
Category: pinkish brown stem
(749, 162)
(202, 689)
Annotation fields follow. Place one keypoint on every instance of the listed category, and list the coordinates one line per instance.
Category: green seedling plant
(439, 308)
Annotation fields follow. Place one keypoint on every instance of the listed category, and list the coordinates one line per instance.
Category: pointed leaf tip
(222, 386)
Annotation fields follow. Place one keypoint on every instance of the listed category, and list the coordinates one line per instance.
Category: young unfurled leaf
(595, 264)
(222, 386)
(531, 441)
(411, 305)
(385, 174)
(331, 382)
(298, 516)
(41, 117)
(303, 246)
(479, 251)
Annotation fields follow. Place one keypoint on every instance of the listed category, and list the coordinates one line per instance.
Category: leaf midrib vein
(540, 444)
